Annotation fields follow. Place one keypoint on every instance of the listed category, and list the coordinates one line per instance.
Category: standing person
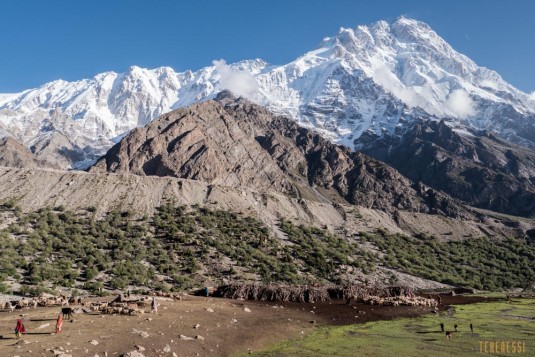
(154, 305)
(442, 326)
(59, 323)
(19, 329)
(471, 328)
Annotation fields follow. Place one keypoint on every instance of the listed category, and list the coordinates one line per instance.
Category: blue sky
(43, 40)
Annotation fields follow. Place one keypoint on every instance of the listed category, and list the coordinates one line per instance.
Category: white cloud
(489, 84)
(460, 104)
(388, 80)
(532, 96)
(242, 83)
(384, 77)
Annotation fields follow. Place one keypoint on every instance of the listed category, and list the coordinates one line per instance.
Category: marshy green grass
(422, 336)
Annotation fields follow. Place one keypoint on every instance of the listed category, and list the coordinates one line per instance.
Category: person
(206, 292)
(442, 326)
(471, 327)
(59, 323)
(154, 305)
(19, 329)
(455, 326)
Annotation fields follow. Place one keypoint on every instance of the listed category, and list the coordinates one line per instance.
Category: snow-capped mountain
(360, 85)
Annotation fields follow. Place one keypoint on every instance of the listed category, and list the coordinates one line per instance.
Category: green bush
(482, 263)
(3, 288)
(190, 245)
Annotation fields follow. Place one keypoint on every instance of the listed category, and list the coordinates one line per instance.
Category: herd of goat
(135, 305)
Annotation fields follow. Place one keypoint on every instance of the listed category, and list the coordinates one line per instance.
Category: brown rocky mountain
(479, 169)
(14, 154)
(235, 143)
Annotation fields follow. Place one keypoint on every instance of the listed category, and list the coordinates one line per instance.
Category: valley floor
(501, 321)
(228, 329)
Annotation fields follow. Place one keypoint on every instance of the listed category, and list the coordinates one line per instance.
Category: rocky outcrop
(14, 154)
(202, 142)
(477, 168)
(233, 142)
(76, 190)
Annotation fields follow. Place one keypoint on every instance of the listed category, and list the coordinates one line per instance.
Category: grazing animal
(66, 312)
(75, 300)
(141, 304)
(448, 334)
(136, 312)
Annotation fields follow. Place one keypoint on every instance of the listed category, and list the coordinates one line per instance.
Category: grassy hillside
(178, 248)
(181, 247)
(482, 263)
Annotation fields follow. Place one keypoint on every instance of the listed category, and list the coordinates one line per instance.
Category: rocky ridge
(236, 143)
(475, 167)
(34, 188)
(14, 154)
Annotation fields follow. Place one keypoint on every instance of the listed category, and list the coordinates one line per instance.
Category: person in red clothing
(59, 323)
(19, 329)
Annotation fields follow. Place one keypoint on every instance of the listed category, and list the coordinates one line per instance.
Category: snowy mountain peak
(361, 85)
(413, 28)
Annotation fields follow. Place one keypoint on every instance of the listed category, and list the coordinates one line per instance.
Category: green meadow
(421, 336)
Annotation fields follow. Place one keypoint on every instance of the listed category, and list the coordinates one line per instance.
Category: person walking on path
(19, 329)
(59, 323)
(154, 305)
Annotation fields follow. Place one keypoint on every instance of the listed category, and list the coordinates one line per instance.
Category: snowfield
(358, 86)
